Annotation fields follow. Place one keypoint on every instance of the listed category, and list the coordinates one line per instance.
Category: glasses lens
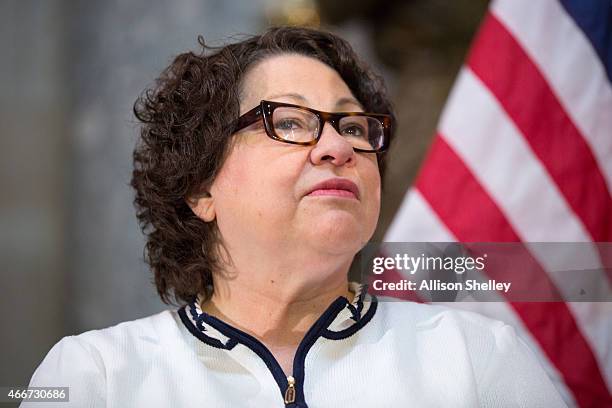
(364, 132)
(295, 124)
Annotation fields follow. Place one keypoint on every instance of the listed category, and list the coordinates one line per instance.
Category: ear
(202, 205)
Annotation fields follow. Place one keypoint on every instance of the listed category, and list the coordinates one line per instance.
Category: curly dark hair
(185, 135)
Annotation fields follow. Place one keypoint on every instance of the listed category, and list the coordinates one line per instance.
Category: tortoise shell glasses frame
(368, 132)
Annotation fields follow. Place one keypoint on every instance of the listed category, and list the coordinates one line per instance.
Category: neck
(275, 306)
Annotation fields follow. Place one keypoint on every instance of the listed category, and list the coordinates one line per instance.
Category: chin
(339, 240)
(338, 231)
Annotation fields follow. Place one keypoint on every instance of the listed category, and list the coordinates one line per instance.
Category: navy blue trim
(343, 334)
(300, 356)
(256, 346)
(356, 311)
(594, 17)
(196, 318)
(309, 340)
(318, 329)
(206, 339)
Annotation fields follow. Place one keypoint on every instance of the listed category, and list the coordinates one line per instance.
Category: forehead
(278, 76)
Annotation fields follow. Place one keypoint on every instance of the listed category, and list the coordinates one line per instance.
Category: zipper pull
(290, 392)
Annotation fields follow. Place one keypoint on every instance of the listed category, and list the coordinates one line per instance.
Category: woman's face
(262, 197)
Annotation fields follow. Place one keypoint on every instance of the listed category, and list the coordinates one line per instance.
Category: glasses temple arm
(247, 119)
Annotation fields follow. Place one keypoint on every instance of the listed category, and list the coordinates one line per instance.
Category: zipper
(290, 387)
(290, 391)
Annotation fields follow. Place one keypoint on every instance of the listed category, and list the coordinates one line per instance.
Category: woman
(258, 179)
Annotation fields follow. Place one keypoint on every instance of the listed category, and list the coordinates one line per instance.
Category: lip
(335, 187)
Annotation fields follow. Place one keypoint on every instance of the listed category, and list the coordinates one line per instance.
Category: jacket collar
(345, 319)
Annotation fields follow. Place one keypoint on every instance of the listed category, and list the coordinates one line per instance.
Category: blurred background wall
(71, 250)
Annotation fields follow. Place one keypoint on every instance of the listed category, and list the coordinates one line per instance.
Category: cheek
(372, 184)
(230, 182)
(372, 189)
(251, 188)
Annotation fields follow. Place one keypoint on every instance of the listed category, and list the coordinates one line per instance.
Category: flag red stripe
(551, 324)
(504, 67)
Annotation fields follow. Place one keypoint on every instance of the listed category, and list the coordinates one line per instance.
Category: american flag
(523, 153)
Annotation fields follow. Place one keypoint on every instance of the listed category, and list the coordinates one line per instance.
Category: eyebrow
(302, 99)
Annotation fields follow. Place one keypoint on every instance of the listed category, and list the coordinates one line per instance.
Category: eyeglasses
(367, 132)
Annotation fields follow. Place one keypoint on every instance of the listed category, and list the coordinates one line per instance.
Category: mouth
(336, 187)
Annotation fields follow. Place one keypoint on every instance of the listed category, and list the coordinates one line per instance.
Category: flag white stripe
(488, 142)
(481, 133)
(492, 148)
(571, 66)
(416, 221)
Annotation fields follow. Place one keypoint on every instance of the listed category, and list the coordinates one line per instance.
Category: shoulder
(441, 326)
(85, 362)
(438, 318)
(461, 336)
(135, 334)
(502, 366)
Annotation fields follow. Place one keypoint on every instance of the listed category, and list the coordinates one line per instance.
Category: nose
(332, 147)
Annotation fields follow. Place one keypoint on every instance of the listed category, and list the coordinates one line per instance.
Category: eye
(354, 130)
(289, 124)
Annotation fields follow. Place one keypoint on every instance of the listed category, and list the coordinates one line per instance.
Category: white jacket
(370, 353)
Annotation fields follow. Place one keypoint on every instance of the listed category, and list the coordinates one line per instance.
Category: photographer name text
(439, 285)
